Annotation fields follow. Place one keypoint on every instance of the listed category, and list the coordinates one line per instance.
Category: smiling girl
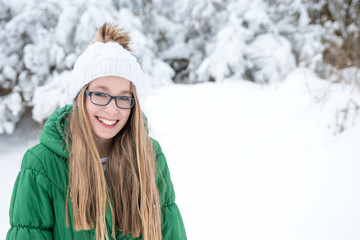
(96, 173)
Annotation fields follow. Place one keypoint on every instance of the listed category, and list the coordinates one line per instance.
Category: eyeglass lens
(104, 99)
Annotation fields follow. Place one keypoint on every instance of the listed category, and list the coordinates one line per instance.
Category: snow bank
(253, 162)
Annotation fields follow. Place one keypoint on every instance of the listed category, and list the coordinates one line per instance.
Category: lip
(105, 125)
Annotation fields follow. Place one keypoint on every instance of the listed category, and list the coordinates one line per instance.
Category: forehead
(110, 84)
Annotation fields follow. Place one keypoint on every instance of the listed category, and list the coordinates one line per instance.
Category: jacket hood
(53, 135)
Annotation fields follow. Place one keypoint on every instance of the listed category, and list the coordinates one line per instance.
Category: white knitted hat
(101, 60)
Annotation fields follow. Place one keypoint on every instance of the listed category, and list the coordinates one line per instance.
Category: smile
(106, 121)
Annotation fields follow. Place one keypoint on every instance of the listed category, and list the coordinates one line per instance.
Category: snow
(9, 73)
(247, 161)
(177, 51)
(271, 58)
(51, 96)
(12, 109)
(224, 56)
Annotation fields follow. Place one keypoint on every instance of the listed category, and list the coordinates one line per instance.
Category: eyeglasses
(103, 99)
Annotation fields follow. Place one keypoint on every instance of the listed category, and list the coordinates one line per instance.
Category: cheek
(90, 111)
(89, 107)
(125, 116)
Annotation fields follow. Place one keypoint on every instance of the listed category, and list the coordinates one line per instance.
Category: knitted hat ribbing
(101, 60)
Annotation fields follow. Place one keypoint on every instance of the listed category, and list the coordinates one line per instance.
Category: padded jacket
(37, 209)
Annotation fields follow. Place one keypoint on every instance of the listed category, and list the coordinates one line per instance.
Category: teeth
(107, 122)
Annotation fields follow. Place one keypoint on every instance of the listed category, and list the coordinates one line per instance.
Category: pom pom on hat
(101, 60)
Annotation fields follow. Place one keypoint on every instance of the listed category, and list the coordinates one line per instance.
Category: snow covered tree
(40, 41)
(223, 39)
(175, 41)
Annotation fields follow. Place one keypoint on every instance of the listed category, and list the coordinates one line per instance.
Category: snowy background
(255, 104)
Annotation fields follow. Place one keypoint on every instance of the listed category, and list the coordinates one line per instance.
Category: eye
(124, 98)
(99, 94)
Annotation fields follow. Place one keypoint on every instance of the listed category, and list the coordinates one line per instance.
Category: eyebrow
(108, 90)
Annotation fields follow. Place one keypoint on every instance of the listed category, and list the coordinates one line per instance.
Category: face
(107, 121)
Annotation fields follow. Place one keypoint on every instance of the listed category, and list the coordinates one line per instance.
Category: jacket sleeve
(31, 212)
(172, 223)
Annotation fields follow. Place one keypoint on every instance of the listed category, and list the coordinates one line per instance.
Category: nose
(111, 108)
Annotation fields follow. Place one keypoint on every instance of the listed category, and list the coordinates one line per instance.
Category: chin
(106, 136)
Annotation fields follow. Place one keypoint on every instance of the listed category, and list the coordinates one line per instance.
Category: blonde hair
(129, 183)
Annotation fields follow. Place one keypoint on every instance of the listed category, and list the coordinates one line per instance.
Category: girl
(96, 173)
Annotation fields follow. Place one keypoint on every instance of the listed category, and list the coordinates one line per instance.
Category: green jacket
(37, 209)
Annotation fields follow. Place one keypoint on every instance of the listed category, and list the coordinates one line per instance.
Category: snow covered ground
(247, 161)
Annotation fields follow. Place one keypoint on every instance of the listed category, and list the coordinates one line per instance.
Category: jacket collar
(53, 135)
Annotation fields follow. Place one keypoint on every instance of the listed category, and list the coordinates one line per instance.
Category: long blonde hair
(129, 183)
